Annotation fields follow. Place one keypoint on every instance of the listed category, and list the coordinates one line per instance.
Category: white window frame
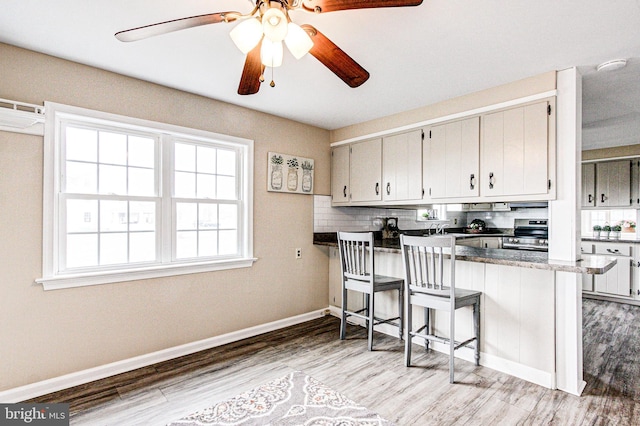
(53, 278)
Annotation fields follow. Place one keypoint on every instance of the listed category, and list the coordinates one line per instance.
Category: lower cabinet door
(617, 280)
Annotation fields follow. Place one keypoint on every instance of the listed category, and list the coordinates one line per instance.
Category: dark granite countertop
(589, 264)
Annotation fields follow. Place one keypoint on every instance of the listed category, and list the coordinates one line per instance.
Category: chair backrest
(424, 264)
(356, 254)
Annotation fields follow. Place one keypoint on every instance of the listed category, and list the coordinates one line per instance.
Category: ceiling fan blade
(335, 59)
(334, 5)
(253, 69)
(140, 33)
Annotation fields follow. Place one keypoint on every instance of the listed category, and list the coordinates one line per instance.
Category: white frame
(52, 278)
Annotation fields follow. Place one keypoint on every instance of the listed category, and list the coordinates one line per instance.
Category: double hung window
(129, 199)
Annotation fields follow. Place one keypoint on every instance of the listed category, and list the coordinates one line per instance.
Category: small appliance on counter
(528, 234)
(390, 229)
(477, 226)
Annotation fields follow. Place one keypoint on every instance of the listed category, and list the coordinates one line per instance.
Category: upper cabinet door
(588, 185)
(515, 151)
(366, 170)
(340, 175)
(452, 160)
(613, 183)
(402, 166)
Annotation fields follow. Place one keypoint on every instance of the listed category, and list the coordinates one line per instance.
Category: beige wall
(507, 92)
(48, 334)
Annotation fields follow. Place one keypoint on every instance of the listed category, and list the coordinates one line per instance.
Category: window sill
(82, 280)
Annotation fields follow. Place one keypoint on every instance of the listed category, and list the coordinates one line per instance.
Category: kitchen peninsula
(518, 305)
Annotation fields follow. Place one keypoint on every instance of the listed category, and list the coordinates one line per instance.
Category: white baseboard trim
(44, 387)
(521, 371)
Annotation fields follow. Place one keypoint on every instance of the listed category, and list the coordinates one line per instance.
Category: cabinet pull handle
(603, 198)
(344, 191)
(491, 180)
(388, 188)
(613, 251)
(377, 188)
(590, 198)
(472, 181)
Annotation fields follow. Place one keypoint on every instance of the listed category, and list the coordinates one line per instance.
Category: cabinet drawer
(619, 249)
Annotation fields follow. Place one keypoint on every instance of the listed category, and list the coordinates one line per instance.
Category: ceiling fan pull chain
(273, 83)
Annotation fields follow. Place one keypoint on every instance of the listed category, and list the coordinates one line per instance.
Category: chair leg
(427, 326)
(452, 344)
(476, 329)
(400, 312)
(343, 320)
(371, 306)
(407, 341)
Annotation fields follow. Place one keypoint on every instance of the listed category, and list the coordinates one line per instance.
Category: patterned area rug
(296, 399)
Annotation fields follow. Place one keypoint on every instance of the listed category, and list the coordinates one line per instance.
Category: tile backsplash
(332, 219)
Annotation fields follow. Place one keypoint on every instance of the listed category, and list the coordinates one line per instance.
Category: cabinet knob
(491, 180)
(603, 198)
(377, 188)
(472, 181)
(590, 198)
(344, 191)
(388, 188)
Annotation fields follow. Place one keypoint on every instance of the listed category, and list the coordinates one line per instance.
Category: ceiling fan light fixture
(247, 34)
(274, 23)
(298, 41)
(271, 53)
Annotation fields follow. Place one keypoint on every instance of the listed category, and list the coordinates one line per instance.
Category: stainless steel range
(528, 234)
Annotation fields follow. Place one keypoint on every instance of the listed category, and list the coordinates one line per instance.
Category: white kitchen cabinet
(613, 183)
(366, 170)
(588, 185)
(452, 160)
(480, 242)
(340, 174)
(515, 152)
(402, 166)
(485, 207)
(617, 281)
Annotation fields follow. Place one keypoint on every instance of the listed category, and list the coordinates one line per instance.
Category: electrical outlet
(455, 220)
(298, 253)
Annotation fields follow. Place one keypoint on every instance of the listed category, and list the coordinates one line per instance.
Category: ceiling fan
(262, 31)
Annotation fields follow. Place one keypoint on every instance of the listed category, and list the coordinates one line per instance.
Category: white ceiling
(416, 55)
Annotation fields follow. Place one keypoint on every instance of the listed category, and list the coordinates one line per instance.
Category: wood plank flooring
(420, 395)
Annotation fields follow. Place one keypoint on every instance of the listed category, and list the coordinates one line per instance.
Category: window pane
(82, 250)
(228, 242)
(185, 157)
(113, 180)
(206, 186)
(228, 216)
(141, 151)
(113, 148)
(82, 144)
(142, 216)
(226, 188)
(186, 244)
(185, 185)
(206, 160)
(113, 248)
(113, 216)
(208, 243)
(82, 216)
(186, 216)
(208, 217)
(81, 178)
(226, 162)
(142, 246)
(141, 182)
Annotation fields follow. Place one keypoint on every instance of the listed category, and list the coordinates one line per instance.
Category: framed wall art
(290, 173)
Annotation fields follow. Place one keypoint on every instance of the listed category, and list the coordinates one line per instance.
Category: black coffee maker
(390, 229)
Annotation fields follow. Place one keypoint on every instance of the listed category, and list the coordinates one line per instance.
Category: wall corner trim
(66, 381)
